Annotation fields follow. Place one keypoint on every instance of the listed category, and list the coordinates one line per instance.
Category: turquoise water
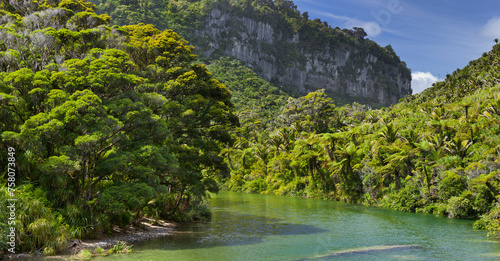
(260, 227)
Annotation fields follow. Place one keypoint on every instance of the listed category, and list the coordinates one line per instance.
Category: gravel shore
(132, 235)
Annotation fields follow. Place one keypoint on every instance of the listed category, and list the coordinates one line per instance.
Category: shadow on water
(230, 229)
(261, 227)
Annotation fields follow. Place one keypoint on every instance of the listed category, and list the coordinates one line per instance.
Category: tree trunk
(320, 173)
(397, 179)
(178, 202)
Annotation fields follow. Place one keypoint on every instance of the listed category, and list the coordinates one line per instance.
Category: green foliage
(37, 225)
(451, 186)
(461, 206)
(408, 199)
(484, 199)
(425, 154)
(100, 251)
(490, 222)
(120, 247)
(106, 119)
(113, 123)
(122, 203)
(84, 254)
(258, 102)
(315, 110)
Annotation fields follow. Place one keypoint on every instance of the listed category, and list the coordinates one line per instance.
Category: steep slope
(257, 102)
(281, 45)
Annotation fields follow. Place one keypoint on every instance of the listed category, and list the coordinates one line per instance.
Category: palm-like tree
(311, 152)
(287, 136)
(276, 141)
(329, 142)
(489, 180)
(230, 149)
(494, 108)
(399, 162)
(438, 141)
(262, 152)
(412, 138)
(429, 156)
(459, 147)
(390, 134)
(227, 151)
(245, 153)
(348, 157)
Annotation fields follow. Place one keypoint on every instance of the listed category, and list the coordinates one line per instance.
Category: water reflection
(231, 229)
(258, 227)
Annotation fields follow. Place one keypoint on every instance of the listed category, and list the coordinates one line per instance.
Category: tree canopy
(108, 122)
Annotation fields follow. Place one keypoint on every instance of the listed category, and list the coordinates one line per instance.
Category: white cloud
(421, 81)
(372, 29)
(492, 28)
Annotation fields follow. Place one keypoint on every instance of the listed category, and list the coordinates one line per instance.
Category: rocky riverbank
(132, 235)
(147, 230)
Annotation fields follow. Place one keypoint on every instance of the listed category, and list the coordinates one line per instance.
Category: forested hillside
(280, 44)
(435, 152)
(104, 124)
(257, 102)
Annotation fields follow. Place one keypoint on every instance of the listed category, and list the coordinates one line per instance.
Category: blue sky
(434, 38)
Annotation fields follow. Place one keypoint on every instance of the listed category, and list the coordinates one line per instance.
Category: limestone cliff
(289, 59)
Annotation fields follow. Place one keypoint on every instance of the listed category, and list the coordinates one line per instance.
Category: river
(261, 227)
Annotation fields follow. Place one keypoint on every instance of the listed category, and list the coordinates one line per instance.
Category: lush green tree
(315, 110)
(106, 119)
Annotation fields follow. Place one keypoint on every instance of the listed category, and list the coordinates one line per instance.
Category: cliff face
(290, 59)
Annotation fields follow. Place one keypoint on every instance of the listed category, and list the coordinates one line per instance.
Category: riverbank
(148, 229)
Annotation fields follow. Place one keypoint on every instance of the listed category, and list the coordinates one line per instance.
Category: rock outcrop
(291, 59)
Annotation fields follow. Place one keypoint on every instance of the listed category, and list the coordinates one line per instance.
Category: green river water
(259, 227)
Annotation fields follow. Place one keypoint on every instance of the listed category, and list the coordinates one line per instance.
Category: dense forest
(435, 152)
(107, 124)
(110, 123)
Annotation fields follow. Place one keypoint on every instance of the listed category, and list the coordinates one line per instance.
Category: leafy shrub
(435, 209)
(451, 186)
(255, 186)
(37, 225)
(78, 217)
(100, 251)
(491, 222)
(483, 199)
(408, 199)
(84, 254)
(121, 202)
(462, 206)
(198, 211)
(236, 182)
(121, 247)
